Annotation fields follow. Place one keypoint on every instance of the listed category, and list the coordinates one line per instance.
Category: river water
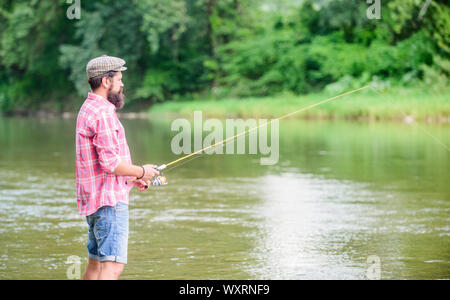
(346, 200)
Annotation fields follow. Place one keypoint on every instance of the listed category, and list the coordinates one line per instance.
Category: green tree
(107, 27)
(28, 52)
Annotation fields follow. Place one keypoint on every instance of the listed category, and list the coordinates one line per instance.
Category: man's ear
(106, 82)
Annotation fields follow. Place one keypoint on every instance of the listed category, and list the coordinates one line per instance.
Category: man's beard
(116, 98)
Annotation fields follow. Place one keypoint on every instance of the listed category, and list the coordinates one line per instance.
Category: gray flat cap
(103, 64)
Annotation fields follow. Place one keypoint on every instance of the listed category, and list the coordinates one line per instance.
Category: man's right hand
(150, 172)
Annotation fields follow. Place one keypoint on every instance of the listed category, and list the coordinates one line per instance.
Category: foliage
(222, 48)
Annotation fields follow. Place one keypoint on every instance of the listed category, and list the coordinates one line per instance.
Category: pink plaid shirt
(100, 146)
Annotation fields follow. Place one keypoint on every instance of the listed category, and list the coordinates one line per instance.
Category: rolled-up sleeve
(106, 142)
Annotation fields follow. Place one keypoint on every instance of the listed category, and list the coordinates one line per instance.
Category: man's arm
(125, 169)
(106, 144)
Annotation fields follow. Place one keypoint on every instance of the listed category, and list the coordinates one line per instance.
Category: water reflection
(308, 221)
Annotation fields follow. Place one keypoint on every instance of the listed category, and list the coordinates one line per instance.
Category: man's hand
(142, 185)
(150, 172)
(125, 169)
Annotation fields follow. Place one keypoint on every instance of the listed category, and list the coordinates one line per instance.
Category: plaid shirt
(100, 146)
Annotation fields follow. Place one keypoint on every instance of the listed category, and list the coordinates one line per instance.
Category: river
(346, 200)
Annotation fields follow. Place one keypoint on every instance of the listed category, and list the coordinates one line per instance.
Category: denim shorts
(108, 234)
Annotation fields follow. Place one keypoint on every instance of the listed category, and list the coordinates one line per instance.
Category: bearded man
(103, 166)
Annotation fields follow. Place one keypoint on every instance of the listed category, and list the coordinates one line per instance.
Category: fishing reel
(160, 179)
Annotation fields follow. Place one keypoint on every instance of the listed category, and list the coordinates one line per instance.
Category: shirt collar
(93, 96)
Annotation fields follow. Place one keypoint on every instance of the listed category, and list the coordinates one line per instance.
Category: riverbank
(398, 105)
(394, 105)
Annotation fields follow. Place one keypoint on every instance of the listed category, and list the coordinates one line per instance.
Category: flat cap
(103, 64)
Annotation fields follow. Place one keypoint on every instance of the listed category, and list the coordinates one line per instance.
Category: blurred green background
(203, 50)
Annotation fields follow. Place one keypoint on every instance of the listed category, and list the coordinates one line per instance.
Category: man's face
(115, 92)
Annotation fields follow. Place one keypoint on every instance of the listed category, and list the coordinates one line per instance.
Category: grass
(392, 104)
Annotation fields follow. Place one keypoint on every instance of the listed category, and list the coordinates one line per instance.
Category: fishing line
(265, 124)
(162, 167)
(415, 124)
(189, 160)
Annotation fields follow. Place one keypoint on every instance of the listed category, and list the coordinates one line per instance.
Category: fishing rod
(161, 180)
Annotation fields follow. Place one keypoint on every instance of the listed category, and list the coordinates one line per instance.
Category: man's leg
(93, 266)
(110, 270)
(93, 269)
(111, 231)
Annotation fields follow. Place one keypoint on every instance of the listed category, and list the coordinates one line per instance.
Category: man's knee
(94, 264)
(92, 270)
(113, 268)
(119, 268)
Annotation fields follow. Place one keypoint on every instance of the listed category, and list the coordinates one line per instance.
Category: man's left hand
(142, 185)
